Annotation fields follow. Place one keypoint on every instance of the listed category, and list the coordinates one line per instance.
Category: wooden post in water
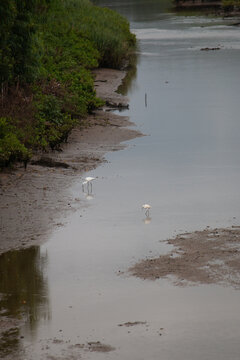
(145, 99)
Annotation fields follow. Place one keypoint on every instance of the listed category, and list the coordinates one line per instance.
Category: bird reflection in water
(147, 220)
(89, 196)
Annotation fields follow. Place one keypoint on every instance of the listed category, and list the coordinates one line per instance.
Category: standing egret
(88, 180)
(146, 207)
(84, 183)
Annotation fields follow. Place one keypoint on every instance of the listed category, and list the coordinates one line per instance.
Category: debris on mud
(99, 347)
(129, 323)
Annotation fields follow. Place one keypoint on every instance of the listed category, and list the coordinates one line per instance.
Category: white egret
(84, 183)
(88, 180)
(146, 207)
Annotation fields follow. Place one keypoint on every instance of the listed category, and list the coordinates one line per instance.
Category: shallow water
(187, 167)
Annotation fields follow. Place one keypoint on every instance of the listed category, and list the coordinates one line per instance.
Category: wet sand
(202, 257)
(36, 201)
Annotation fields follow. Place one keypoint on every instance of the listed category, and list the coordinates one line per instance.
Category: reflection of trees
(130, 76)
(137, 10)
(9, 342)
(23, 289)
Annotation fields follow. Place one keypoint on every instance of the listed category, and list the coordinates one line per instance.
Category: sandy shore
(36, 201)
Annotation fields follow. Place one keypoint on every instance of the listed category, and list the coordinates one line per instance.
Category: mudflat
(36, 201)
(210, 256)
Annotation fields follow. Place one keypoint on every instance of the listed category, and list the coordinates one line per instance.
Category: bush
(53, 124)
(104, 28)
(11, 148)
(231, 3)
(48, 50)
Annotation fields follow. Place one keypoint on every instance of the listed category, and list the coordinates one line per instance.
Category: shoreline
(212, 9)
(37, 201)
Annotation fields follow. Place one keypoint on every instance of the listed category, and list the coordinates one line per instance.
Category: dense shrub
(53, 125)
(49, 48)
(230, 4)
(106, 29)
(11, 147)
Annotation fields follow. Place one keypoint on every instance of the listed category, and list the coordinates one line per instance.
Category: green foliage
(11, 147)
(18, 60)
(8, 13)
(110, 34)
(71, 33)
(53, 125)
(104, 28)
(231, 3)
(52, 45)
(49, 109)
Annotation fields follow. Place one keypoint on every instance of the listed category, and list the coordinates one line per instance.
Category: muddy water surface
(75, 291)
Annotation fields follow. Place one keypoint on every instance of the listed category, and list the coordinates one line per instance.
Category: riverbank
(37, 201)
(217, 8)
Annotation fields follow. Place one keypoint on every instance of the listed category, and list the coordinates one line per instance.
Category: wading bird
(88, 180)
(146, 207)
(84, 183)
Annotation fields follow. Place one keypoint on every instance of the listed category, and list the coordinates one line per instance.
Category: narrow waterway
(75, 289)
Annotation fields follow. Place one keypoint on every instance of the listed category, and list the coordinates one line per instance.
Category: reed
(107, 30)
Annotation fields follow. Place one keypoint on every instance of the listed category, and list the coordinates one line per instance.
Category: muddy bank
(36, 201)
(202, 257)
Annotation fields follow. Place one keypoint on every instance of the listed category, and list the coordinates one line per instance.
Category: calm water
(187, 167)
